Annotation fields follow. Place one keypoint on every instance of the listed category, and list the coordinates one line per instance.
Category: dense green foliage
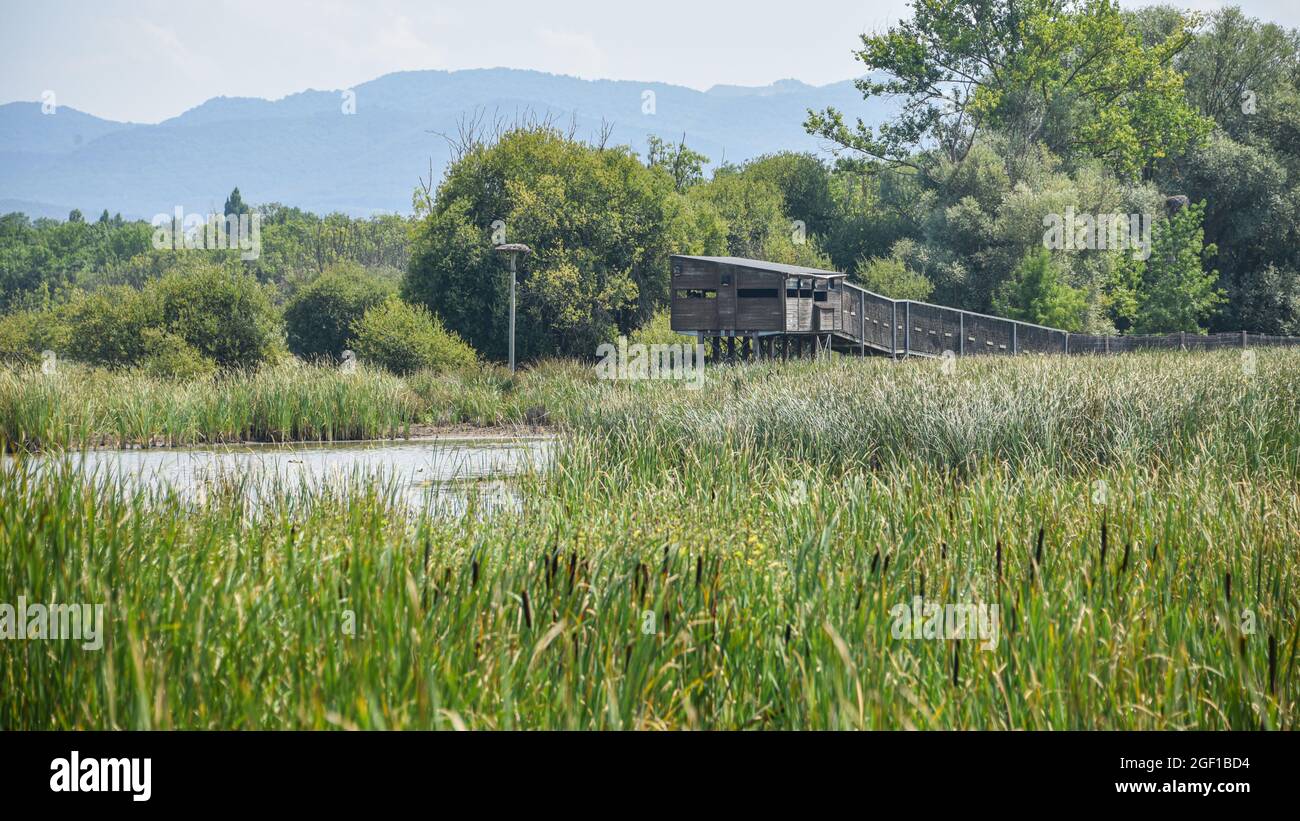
(318, 319)
(1071, 74)
(222, 316)
(1035, 293)
(406, 338)
(1015, 112)
(1175, 292)
(602, 226)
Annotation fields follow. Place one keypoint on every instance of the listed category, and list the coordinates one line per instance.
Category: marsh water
(448, 474)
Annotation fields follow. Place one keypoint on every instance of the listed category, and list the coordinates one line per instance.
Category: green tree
(235, 204)
(1175, 292)
(686, 167)
(1035, 293)
(1235, 65)
(225, 315)
(889, 276)
(753, 216)
(1072, 73)
(805, 186)
(318, 319)
(602, 225)
(25, 335)
(107, 327)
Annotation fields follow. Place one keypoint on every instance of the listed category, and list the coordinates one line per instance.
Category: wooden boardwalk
(748, 309)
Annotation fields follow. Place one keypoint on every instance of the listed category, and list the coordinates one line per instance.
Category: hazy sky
(147, 60)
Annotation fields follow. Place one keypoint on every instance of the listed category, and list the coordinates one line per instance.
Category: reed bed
(78, 407)
(709, 559)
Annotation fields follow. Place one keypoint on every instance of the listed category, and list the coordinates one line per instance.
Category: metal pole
(512, 313)
(961, 334)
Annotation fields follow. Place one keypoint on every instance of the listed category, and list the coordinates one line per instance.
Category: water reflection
(447, 474)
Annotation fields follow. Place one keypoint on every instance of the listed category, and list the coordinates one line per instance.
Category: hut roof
(764, 265)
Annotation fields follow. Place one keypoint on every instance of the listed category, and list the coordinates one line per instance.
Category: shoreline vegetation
(1069, 410)
(80, 407)
(727, 557)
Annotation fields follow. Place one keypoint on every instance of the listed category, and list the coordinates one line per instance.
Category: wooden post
(907, 330)
(893, 330)
(862, 317)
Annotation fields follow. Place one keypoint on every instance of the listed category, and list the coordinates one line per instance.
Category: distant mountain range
(302, 150)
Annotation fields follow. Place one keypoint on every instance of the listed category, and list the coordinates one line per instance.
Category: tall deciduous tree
(1071, 73)
(602, 225)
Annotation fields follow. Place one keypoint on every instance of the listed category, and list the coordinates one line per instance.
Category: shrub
(168, 356)
(106, 327)
(318, 319)
(225, 315)
(405, 338)
(24, 335)
(658, 331)
(889, 276)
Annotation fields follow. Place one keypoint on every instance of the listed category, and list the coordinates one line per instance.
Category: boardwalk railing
(904, 327)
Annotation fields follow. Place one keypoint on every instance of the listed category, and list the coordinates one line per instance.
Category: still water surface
(445, 473)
